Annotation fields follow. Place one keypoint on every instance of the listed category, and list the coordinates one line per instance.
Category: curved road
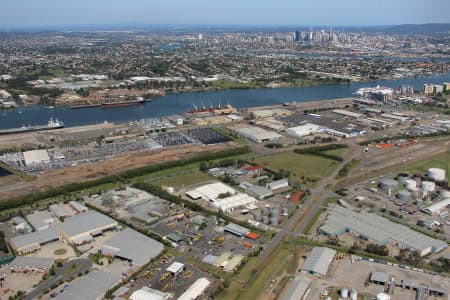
(64, 273)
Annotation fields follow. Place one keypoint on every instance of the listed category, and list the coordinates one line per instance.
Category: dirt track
(111, 166)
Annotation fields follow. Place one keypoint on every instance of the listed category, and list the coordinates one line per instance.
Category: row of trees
(321, 151)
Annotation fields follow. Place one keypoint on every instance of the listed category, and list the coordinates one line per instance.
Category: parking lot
(358, 278)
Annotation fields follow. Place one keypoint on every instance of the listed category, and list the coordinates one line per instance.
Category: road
(62, 274)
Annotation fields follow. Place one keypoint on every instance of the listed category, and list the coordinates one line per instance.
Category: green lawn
(278, 260)
(299, 165)
(438, 161)
(183, 179)
(337, 152)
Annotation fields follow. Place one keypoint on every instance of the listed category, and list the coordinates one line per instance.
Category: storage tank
(383, 296)
(285, 211)
(274, 221)
(445, 193)
(353, 295)
(428, 186)
(388, 184)
(436, 174)
(170, 189)
(402, 177)
(275, 212)
(344, 293)
(404, 195)
(410, 184)
(257, 216)
(266, 220)
(265, 211)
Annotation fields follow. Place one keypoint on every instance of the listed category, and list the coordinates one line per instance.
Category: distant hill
(419, 28)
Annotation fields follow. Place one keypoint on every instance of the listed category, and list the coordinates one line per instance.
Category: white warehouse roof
(303, 130)
(146, 293)
(36, 156)
(35, 238)
(195, 290)
(230, 203)
(211, 191)
(319, 260)
(257, 134)
(436, 207)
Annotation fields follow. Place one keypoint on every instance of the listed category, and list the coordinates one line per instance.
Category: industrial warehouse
(210, 192)
(378, 229)
(81, 228)
(318, 261)
(132, 246)
(258, 135)
(91, 286)
(33, 241)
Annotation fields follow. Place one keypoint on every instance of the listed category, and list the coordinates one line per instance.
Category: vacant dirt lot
(111, 166)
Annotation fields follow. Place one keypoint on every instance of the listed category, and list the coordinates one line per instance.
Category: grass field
(438, 161)
(299, 165)
(183, 179)
(281, 259)
(337, 152)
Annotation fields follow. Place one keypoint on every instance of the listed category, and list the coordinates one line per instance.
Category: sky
(48, 13)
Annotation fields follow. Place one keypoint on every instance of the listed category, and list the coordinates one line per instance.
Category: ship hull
(28, 129)
(121, 104)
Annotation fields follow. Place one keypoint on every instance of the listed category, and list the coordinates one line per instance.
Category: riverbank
(172, 104)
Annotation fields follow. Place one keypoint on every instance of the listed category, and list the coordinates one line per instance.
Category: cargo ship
(52, 124)
(122, 103)
(219, 110)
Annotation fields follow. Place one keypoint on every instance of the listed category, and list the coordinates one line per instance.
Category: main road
(69, 269)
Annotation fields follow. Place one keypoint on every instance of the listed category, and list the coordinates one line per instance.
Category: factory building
(278, 184)
(197, 289)
(58, 211)
(259, 192)
(81, 228)
(372, 227)
(146, 293)
(91, 286)
(304, 130)
(36, 157)
(132, 246)
(298, 289)
(33, 264)
(258, 135)
(318, 261)
(40, 220)
(176, 268)
(229, 204)
(78, 207)
(30, 242)
(436, 207)
(236, 229)
(210, 192)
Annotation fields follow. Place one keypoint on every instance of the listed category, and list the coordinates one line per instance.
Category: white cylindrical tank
(445, 193)
(428, 186)
(344, 293)
(353, 295)
(388, 184)
(383, 296)
(436, 174)
(410, 184)
(170, 189)
(404, 195)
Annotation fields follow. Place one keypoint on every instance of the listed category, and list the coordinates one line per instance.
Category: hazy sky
(28, 13)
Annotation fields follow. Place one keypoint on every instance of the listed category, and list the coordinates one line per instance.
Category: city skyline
(50, 13)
